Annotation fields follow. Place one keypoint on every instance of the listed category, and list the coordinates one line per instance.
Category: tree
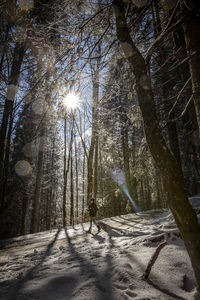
(177, 199)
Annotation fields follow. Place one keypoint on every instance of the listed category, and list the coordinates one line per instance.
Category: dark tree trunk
(8, 107)
(72, 178)
(192, 40)
(177, 199)
(38, 184)
(65, 174)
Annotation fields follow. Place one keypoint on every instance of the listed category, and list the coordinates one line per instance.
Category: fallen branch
(153, 259)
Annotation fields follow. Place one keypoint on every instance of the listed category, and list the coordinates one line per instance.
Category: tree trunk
(38, 185)
(177, 199)
(72, 179)
(96, 155)
(90, 183)
(8, 107)
(77, 182)
(6, 162)
(65, 174)
(192, 40)
(72, 193)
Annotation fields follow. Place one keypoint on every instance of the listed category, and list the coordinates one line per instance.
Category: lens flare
(125, 190)
(11, 92)
(26, 4)
(127, 48)
(23, 168)
(37, 107)
(168, 4)
(19, 34)
(139, 3)
(118, 176)
(30, 149)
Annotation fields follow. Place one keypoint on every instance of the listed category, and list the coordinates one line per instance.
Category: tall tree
(177, 199)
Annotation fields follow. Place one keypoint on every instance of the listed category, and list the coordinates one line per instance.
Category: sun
(71, 100)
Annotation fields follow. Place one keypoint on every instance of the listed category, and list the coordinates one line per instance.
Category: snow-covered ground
(70, 264)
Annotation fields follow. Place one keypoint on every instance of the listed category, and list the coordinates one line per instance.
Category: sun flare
(71, 100)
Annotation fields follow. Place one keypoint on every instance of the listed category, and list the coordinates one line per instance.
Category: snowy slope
(71, 264)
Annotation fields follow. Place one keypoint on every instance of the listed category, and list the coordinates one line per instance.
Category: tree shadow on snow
(165, 291)
(31, 273)
(99, 279)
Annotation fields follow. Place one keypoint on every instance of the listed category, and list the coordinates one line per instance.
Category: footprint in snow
(120, 287)
(131, 294)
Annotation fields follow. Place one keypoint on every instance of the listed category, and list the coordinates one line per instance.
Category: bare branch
(179, 95)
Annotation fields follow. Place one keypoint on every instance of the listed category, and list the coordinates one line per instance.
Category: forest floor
(68, 263)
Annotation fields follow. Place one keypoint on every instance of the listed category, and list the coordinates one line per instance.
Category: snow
(68, 263)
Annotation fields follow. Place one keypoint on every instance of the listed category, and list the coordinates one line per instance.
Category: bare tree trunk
(4, 48)
(96, 155)
(72, 179)
(101, 183)
(39, 176)
(90, 186)
(65, 174)
(77, 189)
(177, 198)
(6, 162)
(8, 107)
(71, 193)
(83, 183)
(66, 167)
(192, 40)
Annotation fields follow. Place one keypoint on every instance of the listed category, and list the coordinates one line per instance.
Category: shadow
(101, 281)
(165, 291)
(58, 287)
(123, 222)
(118, 232)
(99, 238)
(31, 273)
(138, 220)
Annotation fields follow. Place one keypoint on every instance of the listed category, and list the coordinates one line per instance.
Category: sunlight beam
(71, 101)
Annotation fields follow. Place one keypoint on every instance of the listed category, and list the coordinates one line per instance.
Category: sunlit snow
(69, 264)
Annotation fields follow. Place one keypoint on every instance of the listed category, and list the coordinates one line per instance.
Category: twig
(181, 115)
(166, 30)
(90, 19)
(161, 36)
(141, 14)
(179, 95)
(183, 61)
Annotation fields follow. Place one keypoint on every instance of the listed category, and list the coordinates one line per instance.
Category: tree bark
(8, 107)
(65, 174)
(192, 40)
(90, 187)
(177, 199)
(72, 177)
(38, 185)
